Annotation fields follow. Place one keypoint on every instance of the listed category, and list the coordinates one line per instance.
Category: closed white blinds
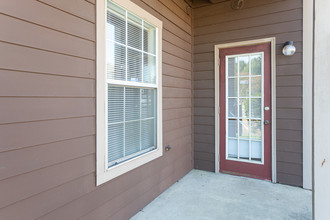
(132, 85)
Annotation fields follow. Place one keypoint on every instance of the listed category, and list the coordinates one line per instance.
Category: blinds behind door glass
(131, 122)
(130, 47)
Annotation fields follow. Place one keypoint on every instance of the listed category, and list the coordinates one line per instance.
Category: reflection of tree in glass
(256, 86)
(243, 67)
(256, 65)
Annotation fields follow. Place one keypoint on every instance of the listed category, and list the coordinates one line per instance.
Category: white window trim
(103, 173)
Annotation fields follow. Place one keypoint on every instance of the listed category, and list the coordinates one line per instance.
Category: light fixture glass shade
(288, 49)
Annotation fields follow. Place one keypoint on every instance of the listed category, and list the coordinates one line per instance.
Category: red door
(245, 111)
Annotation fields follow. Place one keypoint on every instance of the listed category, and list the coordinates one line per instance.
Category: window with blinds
(131, 77)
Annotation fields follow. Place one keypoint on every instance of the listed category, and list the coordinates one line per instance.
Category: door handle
(266, 122)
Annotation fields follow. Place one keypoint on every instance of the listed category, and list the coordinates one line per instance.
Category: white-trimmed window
(129, 111)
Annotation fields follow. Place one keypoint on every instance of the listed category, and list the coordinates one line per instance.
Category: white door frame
(273, 96)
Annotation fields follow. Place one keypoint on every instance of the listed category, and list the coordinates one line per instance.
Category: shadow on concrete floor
(205, 195)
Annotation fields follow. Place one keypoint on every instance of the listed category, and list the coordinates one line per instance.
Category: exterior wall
(47, 120)
(218, 23)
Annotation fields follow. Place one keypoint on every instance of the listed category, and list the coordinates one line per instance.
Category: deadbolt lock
(267, 108)
(266, 122)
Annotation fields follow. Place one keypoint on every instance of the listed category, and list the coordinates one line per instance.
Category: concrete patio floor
(206, 195)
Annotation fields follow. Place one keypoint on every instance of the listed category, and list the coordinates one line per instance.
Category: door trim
(217, 47)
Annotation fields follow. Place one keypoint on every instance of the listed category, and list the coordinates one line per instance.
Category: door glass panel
(232, 66)
(244, 128)
(243, 65)
(256, 150)
(256, 130)
(244, 86)
(256, 65)
(232, 87)
(244, 149)
(256, 108)
(256, 86)
(232, 107)
(232, 128)
(232, 148)
(244, 107)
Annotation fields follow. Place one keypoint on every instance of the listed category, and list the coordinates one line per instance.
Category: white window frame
(103, 173)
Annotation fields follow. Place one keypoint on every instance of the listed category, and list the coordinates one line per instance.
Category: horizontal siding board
(176, 92)
(32, 60)
(25, 84)
(289, 168)
(246, 12)
(44, 38)
(176, 51)
(40, 204)
(33, 158)
(26, 185)
(43, 132)
(290, 124)
(289, 146)
(183, 22)
(170, 37)
(170, 103)
(248, 22)
(204, 120)
(253, 32)
(204, 165)
(48, 17)
(289, 179)
(170, 114)
(173, 82)
(289, 91)
(169, 70)
(16, 110)
(79, 8)
(176, 123)
(289, 113)
(176, 61)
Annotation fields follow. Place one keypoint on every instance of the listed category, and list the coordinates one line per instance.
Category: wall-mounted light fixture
(288, 48)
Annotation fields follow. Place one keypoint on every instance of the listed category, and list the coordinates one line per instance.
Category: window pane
(232, 128)
(232, 148)
(244, 149)
(243, 65)
(256, 150)
(132, 104)
(232, 87)
(115, 104)
(256, 65)
(244, 87)
(116, 25)
(148, 103)
(149, 38)
(256, 108)
(256, 130)
(232, 107)
(256, 86)
(244, 108)
(115, 142)
(132, 137)
(134, 31)
(134, 70)
(149, 68)
(116, 61)
(232, 66)
(244, 130)
(148, 132)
